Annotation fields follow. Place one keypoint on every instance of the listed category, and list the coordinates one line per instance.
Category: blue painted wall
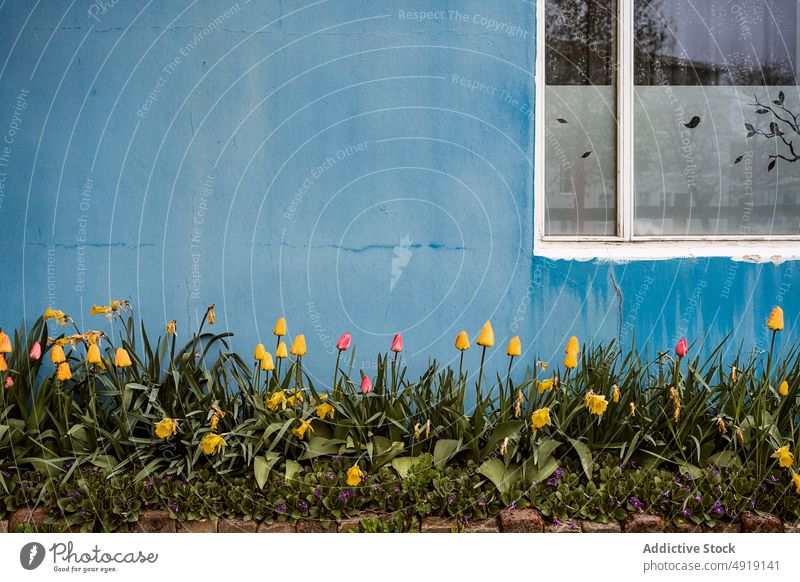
(353, 164)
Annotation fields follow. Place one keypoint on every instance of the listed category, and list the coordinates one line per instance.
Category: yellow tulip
(796, 481)
(354, 475)
(324, 411)
(299, 346)
(615, 394)
(514, 347)
(545, 385)
(266, 362)
(462, 341)
(540, 418)
(775, 321)
(166, 428)
(300, 431)
(280, 327)
(596, 403)
(93, 354)
(212, 443)
(783, 389)
(486, 337)
(57, 354)
(63, 373)
(259, 352)
(99, 310)
(3, 364)
(122, 359)
(785, 458)
(212, 317)
(281, 352)
(571, 361)
(5, 343)
(172, 328)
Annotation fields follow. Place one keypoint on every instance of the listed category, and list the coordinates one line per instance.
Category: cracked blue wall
(337, 161)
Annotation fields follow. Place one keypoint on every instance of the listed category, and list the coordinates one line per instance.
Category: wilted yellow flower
(486, 337)
(545, 385)
(61, 318)
(733, 374)
(775, 321)
(428, 428)
(100, 310)
(299, 346)
(212, 443)
(276, 400)
(416, 432)
(5, 343)
(633, 409)
(281, 352)
(300, 431)
(212, 317)
(462, 341)
(540, 418)
(354, 475)
(796, 481)
(93, 354)
(542, 365)
(122, 359)
(615, 394)
(63, 373)
(166, 427)
(214, 422)
(324, 411)
(721, 427)
(785, 458)
(783, 389)
(267, 364)
(514, 347)
(572, 351)
(676, 401)
(280, 327)
(172, 327)
(740, 436)
(57, 354)
(259, 352)
(596, 403)
(503, 447)
(518, 406)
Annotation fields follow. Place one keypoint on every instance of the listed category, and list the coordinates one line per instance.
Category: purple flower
(82, 512)
(463, 519)
(377, 489)
(281, 482)
(773, 479)
(513, 505)
(317, 493)
(665, 495)
(717, 508)
(553, 482)
(686, 512)
(302, 506)
(556, 522)
(66, 466)
(714, 471)
(174, 507)
(280, 507)
(559, 472)
(330, 476)
(450, 499)
(698, 498)
(636, 503)
(398, 489)
(343, 496)
(572, 525)
(481, 502)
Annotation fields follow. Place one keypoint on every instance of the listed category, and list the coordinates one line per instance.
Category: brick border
(508, 521)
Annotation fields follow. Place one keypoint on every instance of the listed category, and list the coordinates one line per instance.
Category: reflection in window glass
(580, 118)
(717, 139)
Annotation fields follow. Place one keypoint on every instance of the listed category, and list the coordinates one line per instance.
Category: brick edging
(508, 521)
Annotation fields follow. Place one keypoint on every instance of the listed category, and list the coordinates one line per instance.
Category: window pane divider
(625, 110)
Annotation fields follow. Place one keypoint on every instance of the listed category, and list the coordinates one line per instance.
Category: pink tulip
(36, 351)
(397, 343)
(9, 382)
(366, 385)
(682, 348)
(344, 342)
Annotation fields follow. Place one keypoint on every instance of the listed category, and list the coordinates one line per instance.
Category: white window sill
(623, 251)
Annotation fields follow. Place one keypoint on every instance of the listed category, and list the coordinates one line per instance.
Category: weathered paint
(332, 161)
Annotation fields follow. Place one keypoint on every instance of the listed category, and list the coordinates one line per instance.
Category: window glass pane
(716, 117)
(580, 117)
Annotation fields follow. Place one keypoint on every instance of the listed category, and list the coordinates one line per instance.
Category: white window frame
(625, 246)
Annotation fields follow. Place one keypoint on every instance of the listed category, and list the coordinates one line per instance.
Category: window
(671, 124)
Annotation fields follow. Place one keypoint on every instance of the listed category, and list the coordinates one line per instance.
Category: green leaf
(403, 465)
(320, 446)
(292, 469)
(445, 450)
(585, 456)
(262, 467)
(545, 451)
(504, 478)
(725, 459)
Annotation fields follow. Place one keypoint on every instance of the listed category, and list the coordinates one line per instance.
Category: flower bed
(116, 431)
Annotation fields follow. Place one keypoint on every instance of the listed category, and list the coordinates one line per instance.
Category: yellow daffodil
(540, 418)
(572, 351)
(785, 458)
(276, 400)
(212, 316)
(295, 398)
(267, 364)
(212, 443)
(354, 475)
(259, 352)
(615, 394)
(5, 343)
(299, 346)
(596, 403)
(324, 411)
(545, 385)
(462, 341)
(775, 321)
(172, 327)
(122, 359)
(514, 347)
(100, 310)
(166, 427)
(796, 481)
(63, 373)
(57, 354)
(281, 352)
(783, 389)
(280, 327)
(93, 354)
(300, 431)
(486, 337)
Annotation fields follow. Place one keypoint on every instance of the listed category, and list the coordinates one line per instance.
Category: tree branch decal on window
(781, 116)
